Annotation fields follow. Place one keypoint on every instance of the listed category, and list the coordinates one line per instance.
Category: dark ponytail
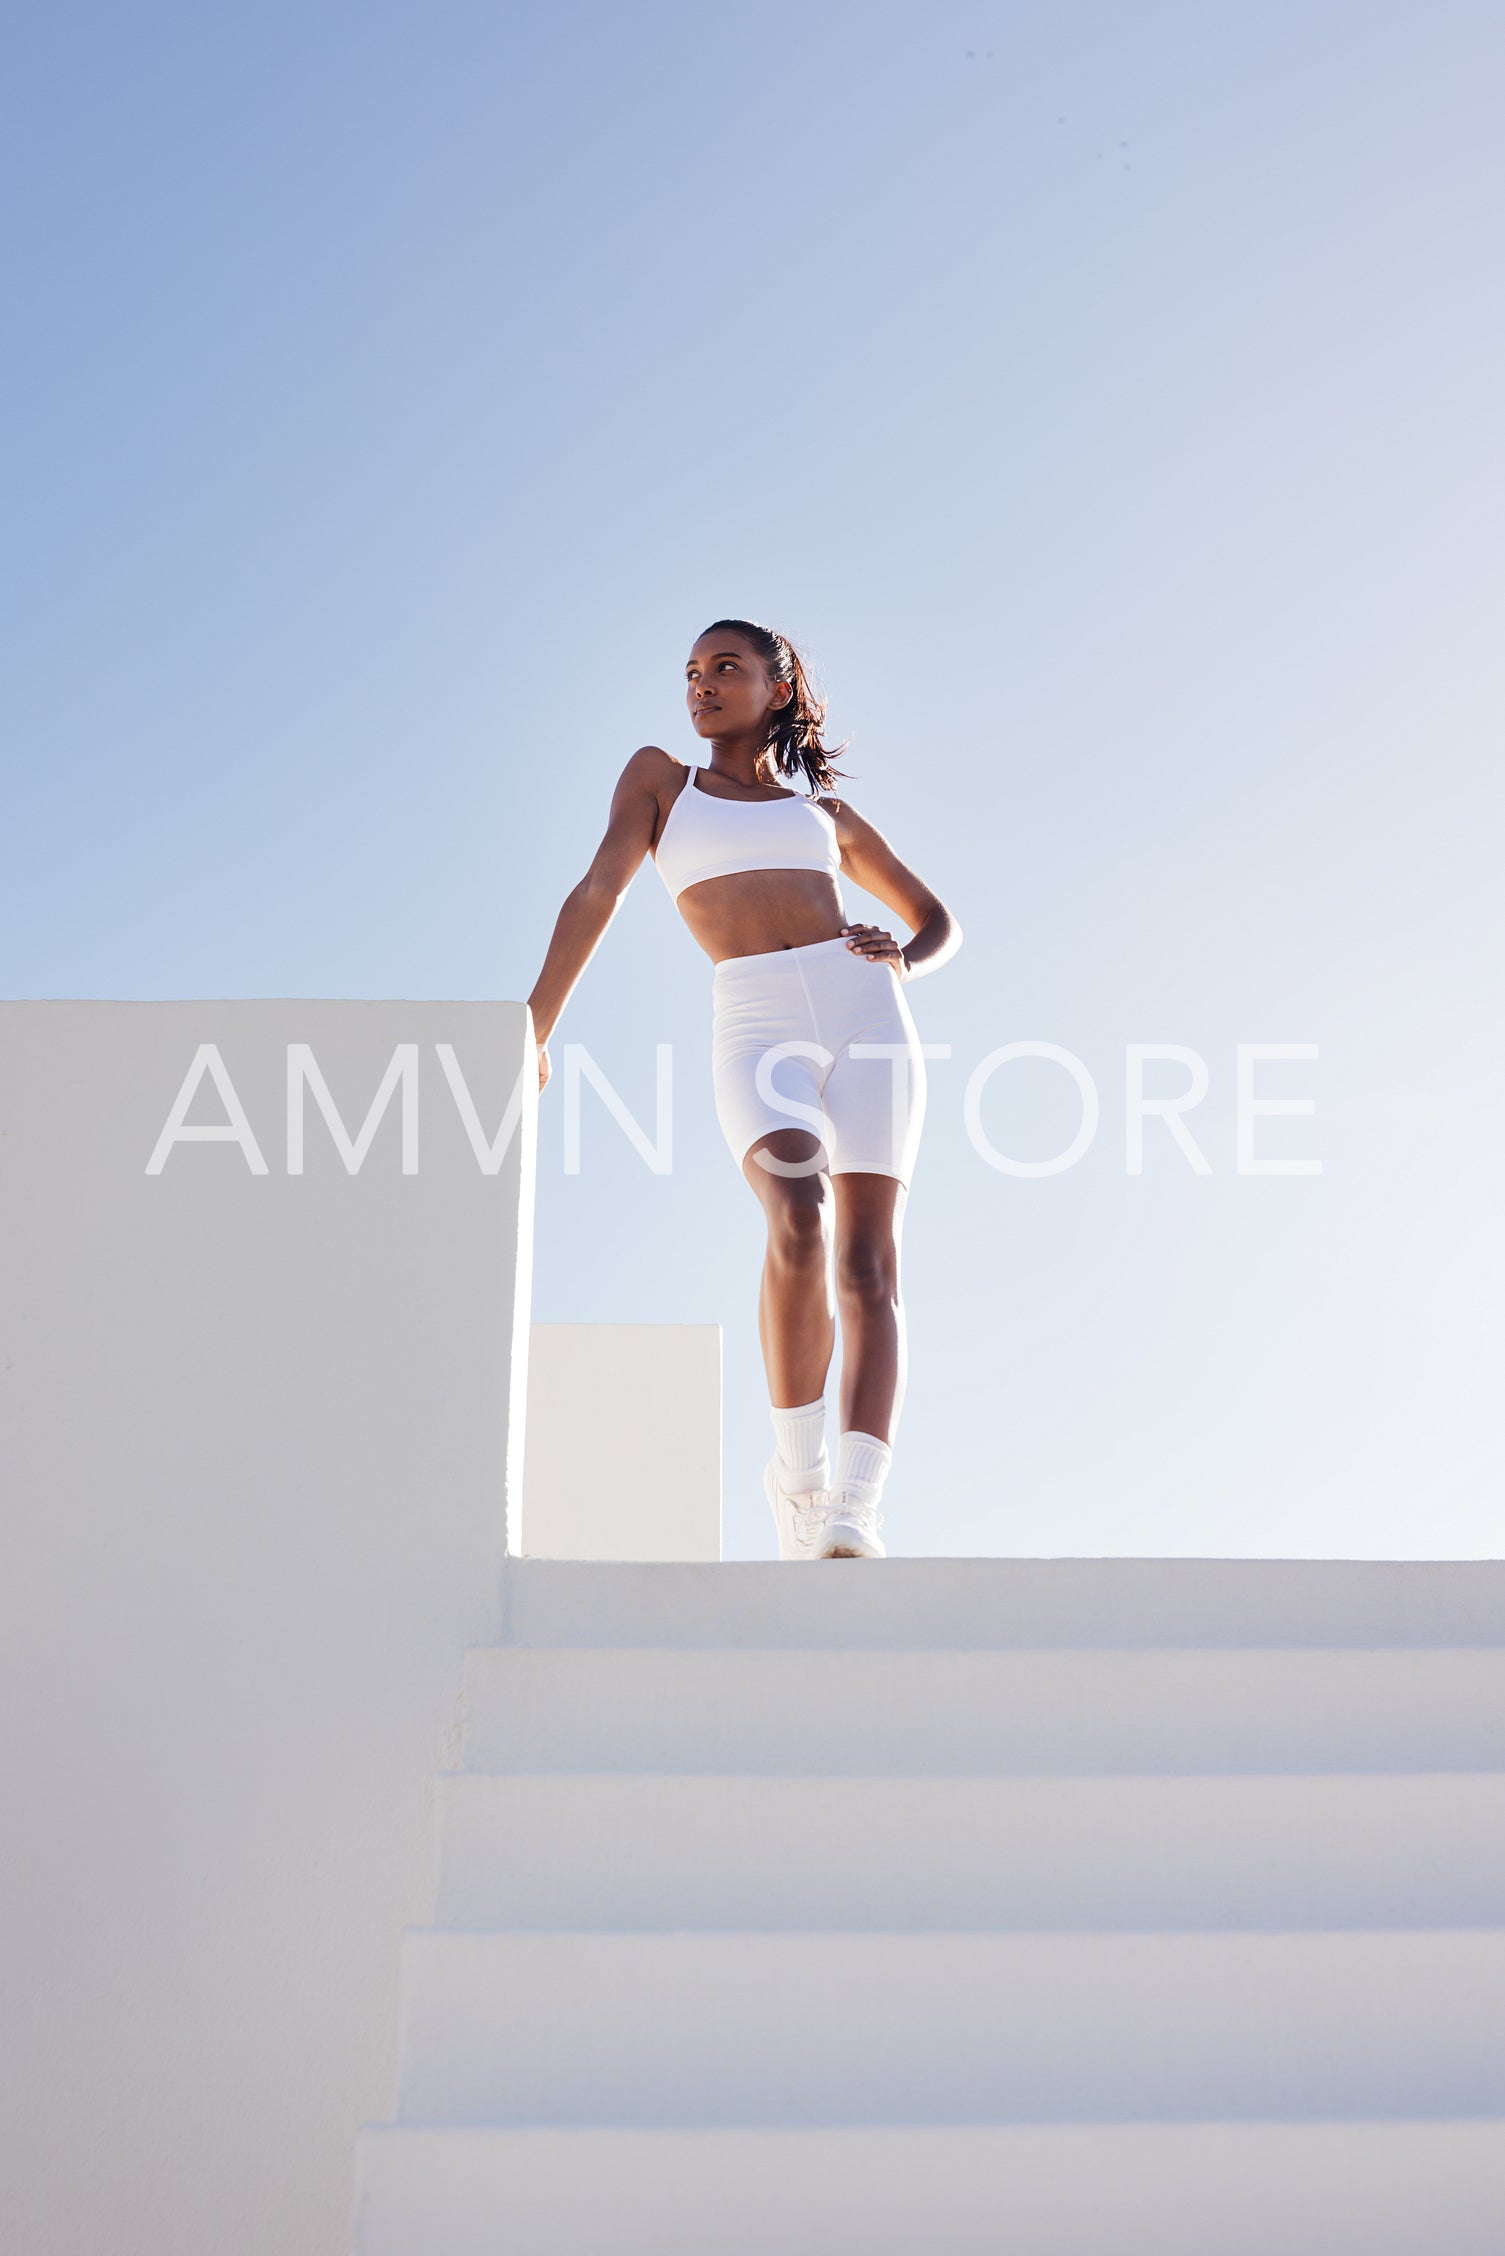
(794, 729)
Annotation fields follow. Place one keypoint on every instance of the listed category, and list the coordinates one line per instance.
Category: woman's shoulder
(651, 769)
(829, 797)
(655, 765)
(653, 774)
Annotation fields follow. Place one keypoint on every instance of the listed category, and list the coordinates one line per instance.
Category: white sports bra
(706, 836)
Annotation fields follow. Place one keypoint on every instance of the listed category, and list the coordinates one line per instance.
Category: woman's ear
(782, 692)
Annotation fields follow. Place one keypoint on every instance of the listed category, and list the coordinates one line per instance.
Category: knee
(797, 1228)
(867, 1269)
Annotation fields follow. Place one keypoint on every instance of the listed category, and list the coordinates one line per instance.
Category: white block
(624, 1442)
(256, 1456)
(1060, 2189)
(950, 2028)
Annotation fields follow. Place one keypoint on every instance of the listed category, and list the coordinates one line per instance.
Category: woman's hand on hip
(879, 946)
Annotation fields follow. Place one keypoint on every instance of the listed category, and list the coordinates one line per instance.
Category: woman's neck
(743, 760)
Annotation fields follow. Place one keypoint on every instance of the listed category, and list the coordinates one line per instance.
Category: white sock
(862, 1463)
(803, 1463)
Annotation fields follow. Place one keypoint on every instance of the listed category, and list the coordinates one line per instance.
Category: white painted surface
(256, 1461)
(624, 1442)
(1066, 1906)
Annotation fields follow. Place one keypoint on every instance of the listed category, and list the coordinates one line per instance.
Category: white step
(630, 1851)
(695, 2029)
(970, 1602)
(1199, 2189)
(1038, 1710)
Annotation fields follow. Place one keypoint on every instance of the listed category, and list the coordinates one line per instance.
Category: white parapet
(624, 1442)
(263, 1288)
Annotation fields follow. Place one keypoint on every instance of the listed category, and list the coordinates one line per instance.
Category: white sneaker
(800, 1520)
(850, 1530)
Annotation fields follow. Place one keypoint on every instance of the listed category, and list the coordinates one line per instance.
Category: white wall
(256, 1463)
(624, 1442)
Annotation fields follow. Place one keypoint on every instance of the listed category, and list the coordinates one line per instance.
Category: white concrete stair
(965, 2027)
(1056, 2189)
(926, 1604)
(637, 1851)
(1047, 1711)
(1077, 1906)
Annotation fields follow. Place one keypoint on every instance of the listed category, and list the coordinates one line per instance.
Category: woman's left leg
(874, 1347)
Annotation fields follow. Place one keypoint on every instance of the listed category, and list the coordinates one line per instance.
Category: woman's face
(727, 688)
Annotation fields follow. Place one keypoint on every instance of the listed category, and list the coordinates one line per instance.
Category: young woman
(809, 1022)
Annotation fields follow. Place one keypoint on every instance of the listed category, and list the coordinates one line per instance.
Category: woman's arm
(590, 906)
(869, 860)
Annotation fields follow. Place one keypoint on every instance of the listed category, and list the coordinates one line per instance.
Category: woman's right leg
(796, 1302)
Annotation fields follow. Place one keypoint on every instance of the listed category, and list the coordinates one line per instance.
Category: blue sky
(1108, 398)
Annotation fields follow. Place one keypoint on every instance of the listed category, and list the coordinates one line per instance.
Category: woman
(809, 1021)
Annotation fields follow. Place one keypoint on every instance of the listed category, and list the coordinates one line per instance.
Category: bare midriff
(752, 912)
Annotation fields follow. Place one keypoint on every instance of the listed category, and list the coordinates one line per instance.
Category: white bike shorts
(821, 1038)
